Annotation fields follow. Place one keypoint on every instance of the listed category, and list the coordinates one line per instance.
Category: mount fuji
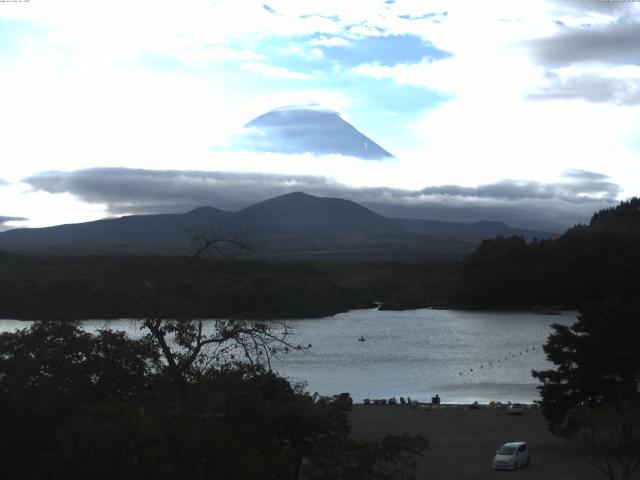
(308, 129)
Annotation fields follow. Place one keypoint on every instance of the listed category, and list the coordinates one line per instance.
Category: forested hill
(625, 218)
(589, 262)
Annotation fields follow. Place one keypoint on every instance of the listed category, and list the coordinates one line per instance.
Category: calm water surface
(463, 356)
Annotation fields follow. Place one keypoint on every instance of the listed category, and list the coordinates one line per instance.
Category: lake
(463, 356)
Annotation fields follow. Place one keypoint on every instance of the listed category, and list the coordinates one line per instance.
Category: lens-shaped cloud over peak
(307, 129)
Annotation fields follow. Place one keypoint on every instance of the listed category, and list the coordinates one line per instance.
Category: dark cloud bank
(4, 220)
(542, 206)
(617, 42)
(592, 88)
(597, 6)
(614, 43)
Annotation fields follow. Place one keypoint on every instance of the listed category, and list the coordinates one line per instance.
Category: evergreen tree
(597, 366)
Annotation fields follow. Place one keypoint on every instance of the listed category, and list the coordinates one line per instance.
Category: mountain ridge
(298, 212)
(293, 215)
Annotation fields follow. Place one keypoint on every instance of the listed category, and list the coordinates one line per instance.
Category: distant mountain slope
(295, 222)
(309, 130)
(301, 214)
(477, 230)
(139, 231)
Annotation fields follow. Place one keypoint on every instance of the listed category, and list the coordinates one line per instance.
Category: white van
(511, 456)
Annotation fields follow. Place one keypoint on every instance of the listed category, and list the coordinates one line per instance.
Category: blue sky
(298, 63)
(464, 94)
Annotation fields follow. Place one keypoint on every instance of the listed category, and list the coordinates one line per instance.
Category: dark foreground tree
(189, 400)
(53, 372)
(593, 391)
(79, 405)
(600, 441)
(222, 369)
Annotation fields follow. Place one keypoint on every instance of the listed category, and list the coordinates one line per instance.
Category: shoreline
(316, 315)
(494, 405)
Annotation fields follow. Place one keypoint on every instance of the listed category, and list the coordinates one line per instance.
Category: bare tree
(192, 347)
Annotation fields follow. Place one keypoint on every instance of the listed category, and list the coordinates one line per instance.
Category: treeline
(119, 286)
(595, 262)
(589, 262)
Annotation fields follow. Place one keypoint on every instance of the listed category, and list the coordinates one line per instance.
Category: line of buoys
(499, 360)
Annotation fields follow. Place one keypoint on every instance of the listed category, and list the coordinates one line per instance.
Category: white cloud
(490, 140)
(292, 51)
(81, 100)
(328, 42)
(274, 72)
(74, 117)
(250, 107)
(42, 209)
(197, 54)
(491, 128)
(119, 30)
(313, 54)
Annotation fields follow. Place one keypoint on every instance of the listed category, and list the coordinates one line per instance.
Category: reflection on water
(463, 356)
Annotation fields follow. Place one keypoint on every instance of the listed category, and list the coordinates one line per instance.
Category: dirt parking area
(463, 442)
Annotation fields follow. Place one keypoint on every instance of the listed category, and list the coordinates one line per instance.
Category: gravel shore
(463, 441)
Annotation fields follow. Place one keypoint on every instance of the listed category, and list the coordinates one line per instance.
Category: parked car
(511, 456)
(515, 409)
